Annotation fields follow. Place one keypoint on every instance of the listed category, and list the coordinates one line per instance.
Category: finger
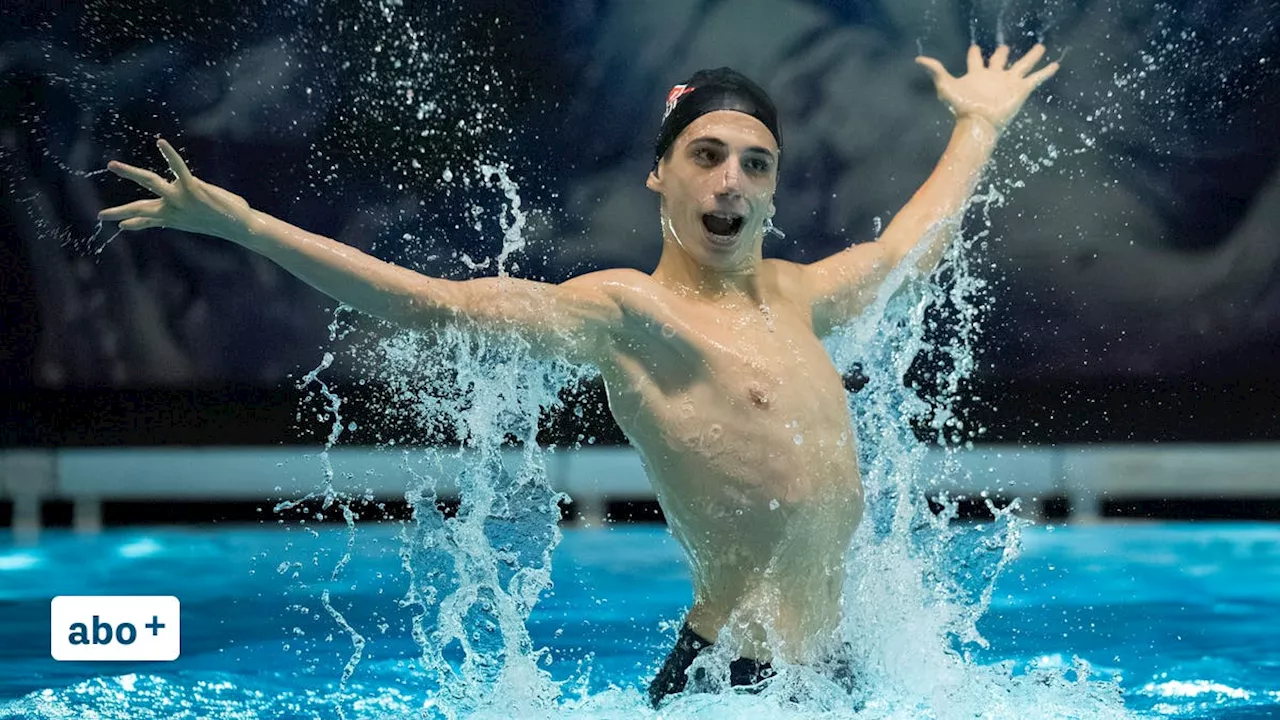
(1042, 74)
(140, 223)
(145, 178)
(1028, 61)
(176, 163)
(130, 210)
(975, 58)
(935, 69)
(999, 58)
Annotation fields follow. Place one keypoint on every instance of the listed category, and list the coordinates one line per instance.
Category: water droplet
(798, 439)
(668, 331)
(448, 175)
(774, 504)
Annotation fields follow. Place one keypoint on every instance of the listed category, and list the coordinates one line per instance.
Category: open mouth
(722, 226)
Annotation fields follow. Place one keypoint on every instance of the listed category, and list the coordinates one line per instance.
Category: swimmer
(713, 363)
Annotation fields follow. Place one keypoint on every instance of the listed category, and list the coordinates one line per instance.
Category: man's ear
(653, 182)
(772, 209)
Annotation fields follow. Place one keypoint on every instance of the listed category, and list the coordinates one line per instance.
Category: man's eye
(703, 154)
(758, 165)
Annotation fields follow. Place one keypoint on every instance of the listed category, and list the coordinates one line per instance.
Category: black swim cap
(708, 91)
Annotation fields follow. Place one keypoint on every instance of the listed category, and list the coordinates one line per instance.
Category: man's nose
(731, 177)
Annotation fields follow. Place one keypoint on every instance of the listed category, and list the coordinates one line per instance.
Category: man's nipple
(759, 395)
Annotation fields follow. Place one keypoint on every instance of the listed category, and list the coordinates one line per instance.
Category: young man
(713, 363)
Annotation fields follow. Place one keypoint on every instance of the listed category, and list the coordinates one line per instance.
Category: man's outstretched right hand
(574, 320)
(186, 203)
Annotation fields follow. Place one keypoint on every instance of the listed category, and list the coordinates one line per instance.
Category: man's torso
(742, 424)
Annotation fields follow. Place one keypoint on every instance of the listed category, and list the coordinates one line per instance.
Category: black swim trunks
(838, 666)
(673, 676)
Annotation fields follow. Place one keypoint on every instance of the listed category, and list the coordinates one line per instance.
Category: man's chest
(727, 367)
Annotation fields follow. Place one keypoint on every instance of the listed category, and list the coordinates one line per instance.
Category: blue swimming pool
(1187, 614)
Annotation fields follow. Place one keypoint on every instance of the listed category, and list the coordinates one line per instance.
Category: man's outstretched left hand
(990, 91)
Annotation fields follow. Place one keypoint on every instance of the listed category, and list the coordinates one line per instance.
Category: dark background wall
(1134, 261)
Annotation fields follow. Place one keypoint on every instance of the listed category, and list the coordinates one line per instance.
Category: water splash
(330, 496)
(917, 583)
(915, 596)
(513, 230)
(474, 576)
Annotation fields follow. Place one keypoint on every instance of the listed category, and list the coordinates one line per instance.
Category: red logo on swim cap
(673, 97)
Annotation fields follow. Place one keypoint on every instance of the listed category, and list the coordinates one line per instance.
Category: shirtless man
(713, 362)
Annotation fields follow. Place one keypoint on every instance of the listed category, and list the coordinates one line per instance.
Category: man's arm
(570, 320)
(984, 100)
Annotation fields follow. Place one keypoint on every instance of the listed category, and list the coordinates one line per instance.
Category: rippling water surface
(1186, 614)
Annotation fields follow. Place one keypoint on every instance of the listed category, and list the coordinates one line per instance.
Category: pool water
(1187, 614)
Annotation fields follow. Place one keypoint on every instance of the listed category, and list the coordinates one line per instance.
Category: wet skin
(718, 378)
(740, 419)
(713, 362)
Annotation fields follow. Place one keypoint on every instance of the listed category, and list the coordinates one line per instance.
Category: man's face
(717, 188)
